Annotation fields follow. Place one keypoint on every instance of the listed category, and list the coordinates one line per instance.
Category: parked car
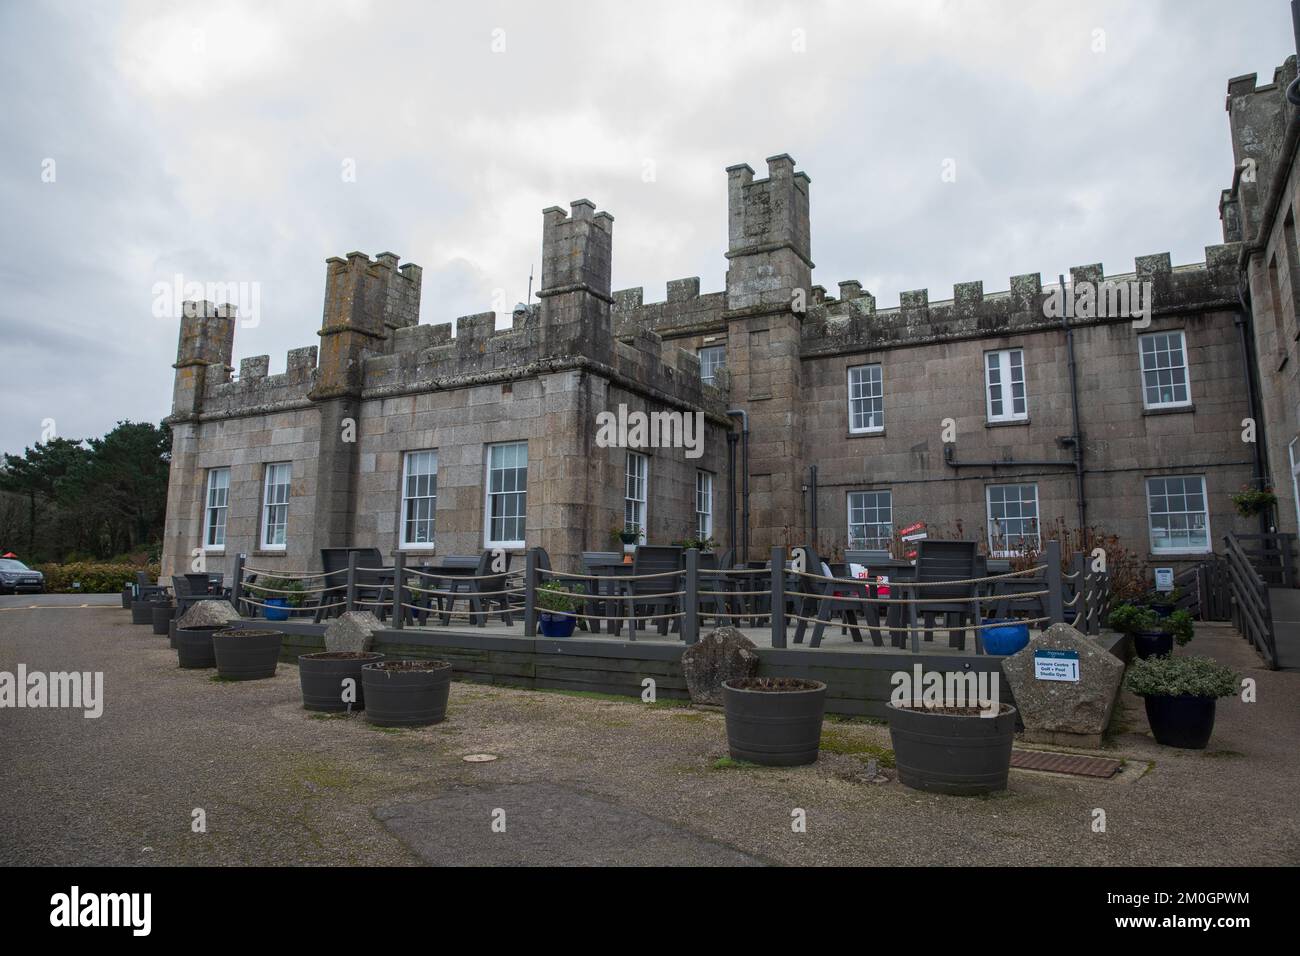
(16, 576)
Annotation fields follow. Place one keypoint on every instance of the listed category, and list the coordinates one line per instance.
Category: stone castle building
(1117, 402)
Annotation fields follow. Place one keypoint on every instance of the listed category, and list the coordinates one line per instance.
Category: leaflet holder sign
(1051, 664)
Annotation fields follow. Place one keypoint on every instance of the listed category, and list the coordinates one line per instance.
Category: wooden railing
(1272, 555)
(1252, 613)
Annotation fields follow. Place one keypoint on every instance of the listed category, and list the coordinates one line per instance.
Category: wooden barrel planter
(194, 645)
(142, 612)
(952, 750)
(774, 721)
(162, 615)
(246, 653)
(406, 693)
(321, 677)
(1153, 644)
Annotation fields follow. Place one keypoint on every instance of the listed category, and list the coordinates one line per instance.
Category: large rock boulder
(208, 612)
(1061, 711)
(351, 631)
(722, 654)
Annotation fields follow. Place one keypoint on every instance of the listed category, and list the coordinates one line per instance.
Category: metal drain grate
(1064, 763)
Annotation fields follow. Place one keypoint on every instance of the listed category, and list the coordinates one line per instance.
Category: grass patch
(730, 763)
(319, 716)
(1224, 753)
(663, 703)
(693, 716)
(853, 719)
(837, 742)
(385, 730)
(218, 679)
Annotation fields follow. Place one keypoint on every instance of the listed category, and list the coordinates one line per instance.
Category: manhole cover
(1064, 763)
(479, 758)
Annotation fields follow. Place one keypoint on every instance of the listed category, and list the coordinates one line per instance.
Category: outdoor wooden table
(445, 574)
(899, 571)
(611, 572)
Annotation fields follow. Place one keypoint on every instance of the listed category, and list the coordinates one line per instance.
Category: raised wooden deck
(857, 675)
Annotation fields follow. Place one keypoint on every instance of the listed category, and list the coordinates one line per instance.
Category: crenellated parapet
(684, 311)
(855, 324)
(1258, 115)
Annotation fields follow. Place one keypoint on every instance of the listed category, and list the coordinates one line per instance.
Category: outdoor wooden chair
(939, 561)
(655, 595)
(832, 601)
(373, 586)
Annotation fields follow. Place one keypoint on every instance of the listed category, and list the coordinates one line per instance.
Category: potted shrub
(1180, 695)
(321, 678)
(1163, 603)
(556, 605)
(406, 693)
(775, 721)
(246, 653)
(953, 750)
(278, 594)
(697, 544)
(1250, 502)
(628, 535)
(1151, 638)
(194, 645)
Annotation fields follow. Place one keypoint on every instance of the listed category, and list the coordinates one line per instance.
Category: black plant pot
(1162, 609)
(1181, 721)
(774, 722)
(127, 595)
(406, 693)
(162, 615)
(321, 677)
(194, 645)
(963, 755)
(142, 612)
(246, 654)
(1153, 644)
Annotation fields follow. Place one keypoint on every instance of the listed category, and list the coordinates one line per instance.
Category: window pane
(1013, 518)
(507, 492)
(871, 522)
(866, 398)
(1176, 514)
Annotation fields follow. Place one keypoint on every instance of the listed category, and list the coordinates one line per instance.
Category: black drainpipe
(732, 438)
(1076, 439)
(1245, 320)
(744, 478)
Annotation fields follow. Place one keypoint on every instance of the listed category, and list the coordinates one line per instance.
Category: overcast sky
(212, 140)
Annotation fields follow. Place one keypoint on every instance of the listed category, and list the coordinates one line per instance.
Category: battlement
(683, 310)
(1258, 115)
(856, 324)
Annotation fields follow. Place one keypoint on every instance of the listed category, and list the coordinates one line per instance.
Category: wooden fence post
(691, 599)
(399, 589)
(778, 597)
(530, 593)
(237, 588)
(352, 582)
(1055, 611)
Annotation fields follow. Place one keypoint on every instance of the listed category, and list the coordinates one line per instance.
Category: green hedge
(94, 578)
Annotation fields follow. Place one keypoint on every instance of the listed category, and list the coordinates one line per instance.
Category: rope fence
(618, 594)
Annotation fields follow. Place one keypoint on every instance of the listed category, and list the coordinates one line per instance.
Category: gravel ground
(579, 779)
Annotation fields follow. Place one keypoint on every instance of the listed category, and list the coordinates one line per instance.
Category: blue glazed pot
(1008, 639)
(276, 609)
(557, 625)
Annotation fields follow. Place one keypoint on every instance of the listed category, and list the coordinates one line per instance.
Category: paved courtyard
(578, 780)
